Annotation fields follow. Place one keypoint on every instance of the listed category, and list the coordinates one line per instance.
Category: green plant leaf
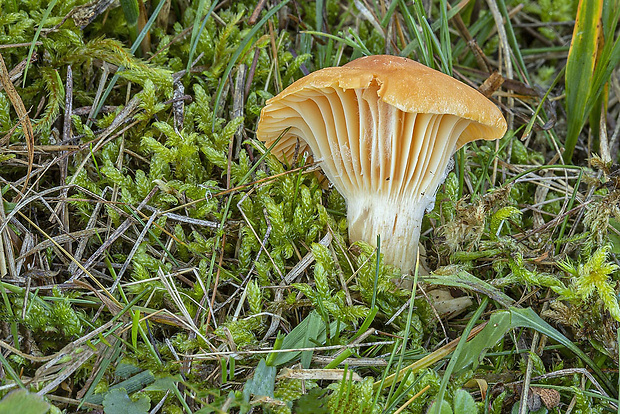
(614, 238)
(313, 331)
(118, 402)
(23, 402)
(474, 350)
(465, 280)
(263, 382)
(308, 333)
(464, 403)
(527, 318)
(164, 384)
(130, 385)
(131, 10)
(314, 402)
(444, 408)
(580, 69)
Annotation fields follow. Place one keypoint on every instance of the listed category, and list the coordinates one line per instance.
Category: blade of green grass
(444, 35)
(399, 365)
(9, 310)
(134, 47)
(456, 355)
(11, 372)
(338, 359)
(431, 42)
(196, 31)
(429, 38)
(423, 53)
(359, 47)
(568, 208)
(377, 268)
(378, 387)
(527, 318)
(102, 370)
(389, 13)
(36, 37)
(530, 124)
(242, 45)
(580, 69)
(318, 15)
(131, 10)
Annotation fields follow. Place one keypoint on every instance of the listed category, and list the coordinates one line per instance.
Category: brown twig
(259, 7)
(18, 104)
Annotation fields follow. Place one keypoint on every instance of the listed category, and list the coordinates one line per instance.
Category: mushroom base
(398, 224)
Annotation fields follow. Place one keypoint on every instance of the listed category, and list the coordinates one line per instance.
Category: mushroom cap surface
(404, 84)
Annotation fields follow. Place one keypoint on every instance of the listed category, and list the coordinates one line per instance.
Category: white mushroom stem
(397, 225)
(396, 222)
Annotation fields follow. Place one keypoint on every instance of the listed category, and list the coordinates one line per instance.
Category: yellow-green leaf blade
(580, 68)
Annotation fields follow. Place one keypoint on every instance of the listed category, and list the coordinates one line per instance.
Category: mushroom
(384, 129)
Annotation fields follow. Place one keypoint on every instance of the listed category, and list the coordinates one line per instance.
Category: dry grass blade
(83, 241)
(114, 302)
(266, 351)
(178, 301)
(318, 374)
(111, 239)
(7, 260)
(107, 135)
(133, 251)
(18, 104)
(412, 399)
(63, 238)
(430, 359)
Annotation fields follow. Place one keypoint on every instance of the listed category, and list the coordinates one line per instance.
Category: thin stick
(259, 7)
(217, 280)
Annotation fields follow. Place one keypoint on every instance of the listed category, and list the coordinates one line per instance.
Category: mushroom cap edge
(408, 86)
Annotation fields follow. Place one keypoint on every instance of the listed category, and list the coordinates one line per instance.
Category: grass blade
(233, 59)
(527, 318)
(36, 37)
(444, 33)
(455, 356)
(580, 69)
(196, 31)
(131, 10)
(134, 47)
